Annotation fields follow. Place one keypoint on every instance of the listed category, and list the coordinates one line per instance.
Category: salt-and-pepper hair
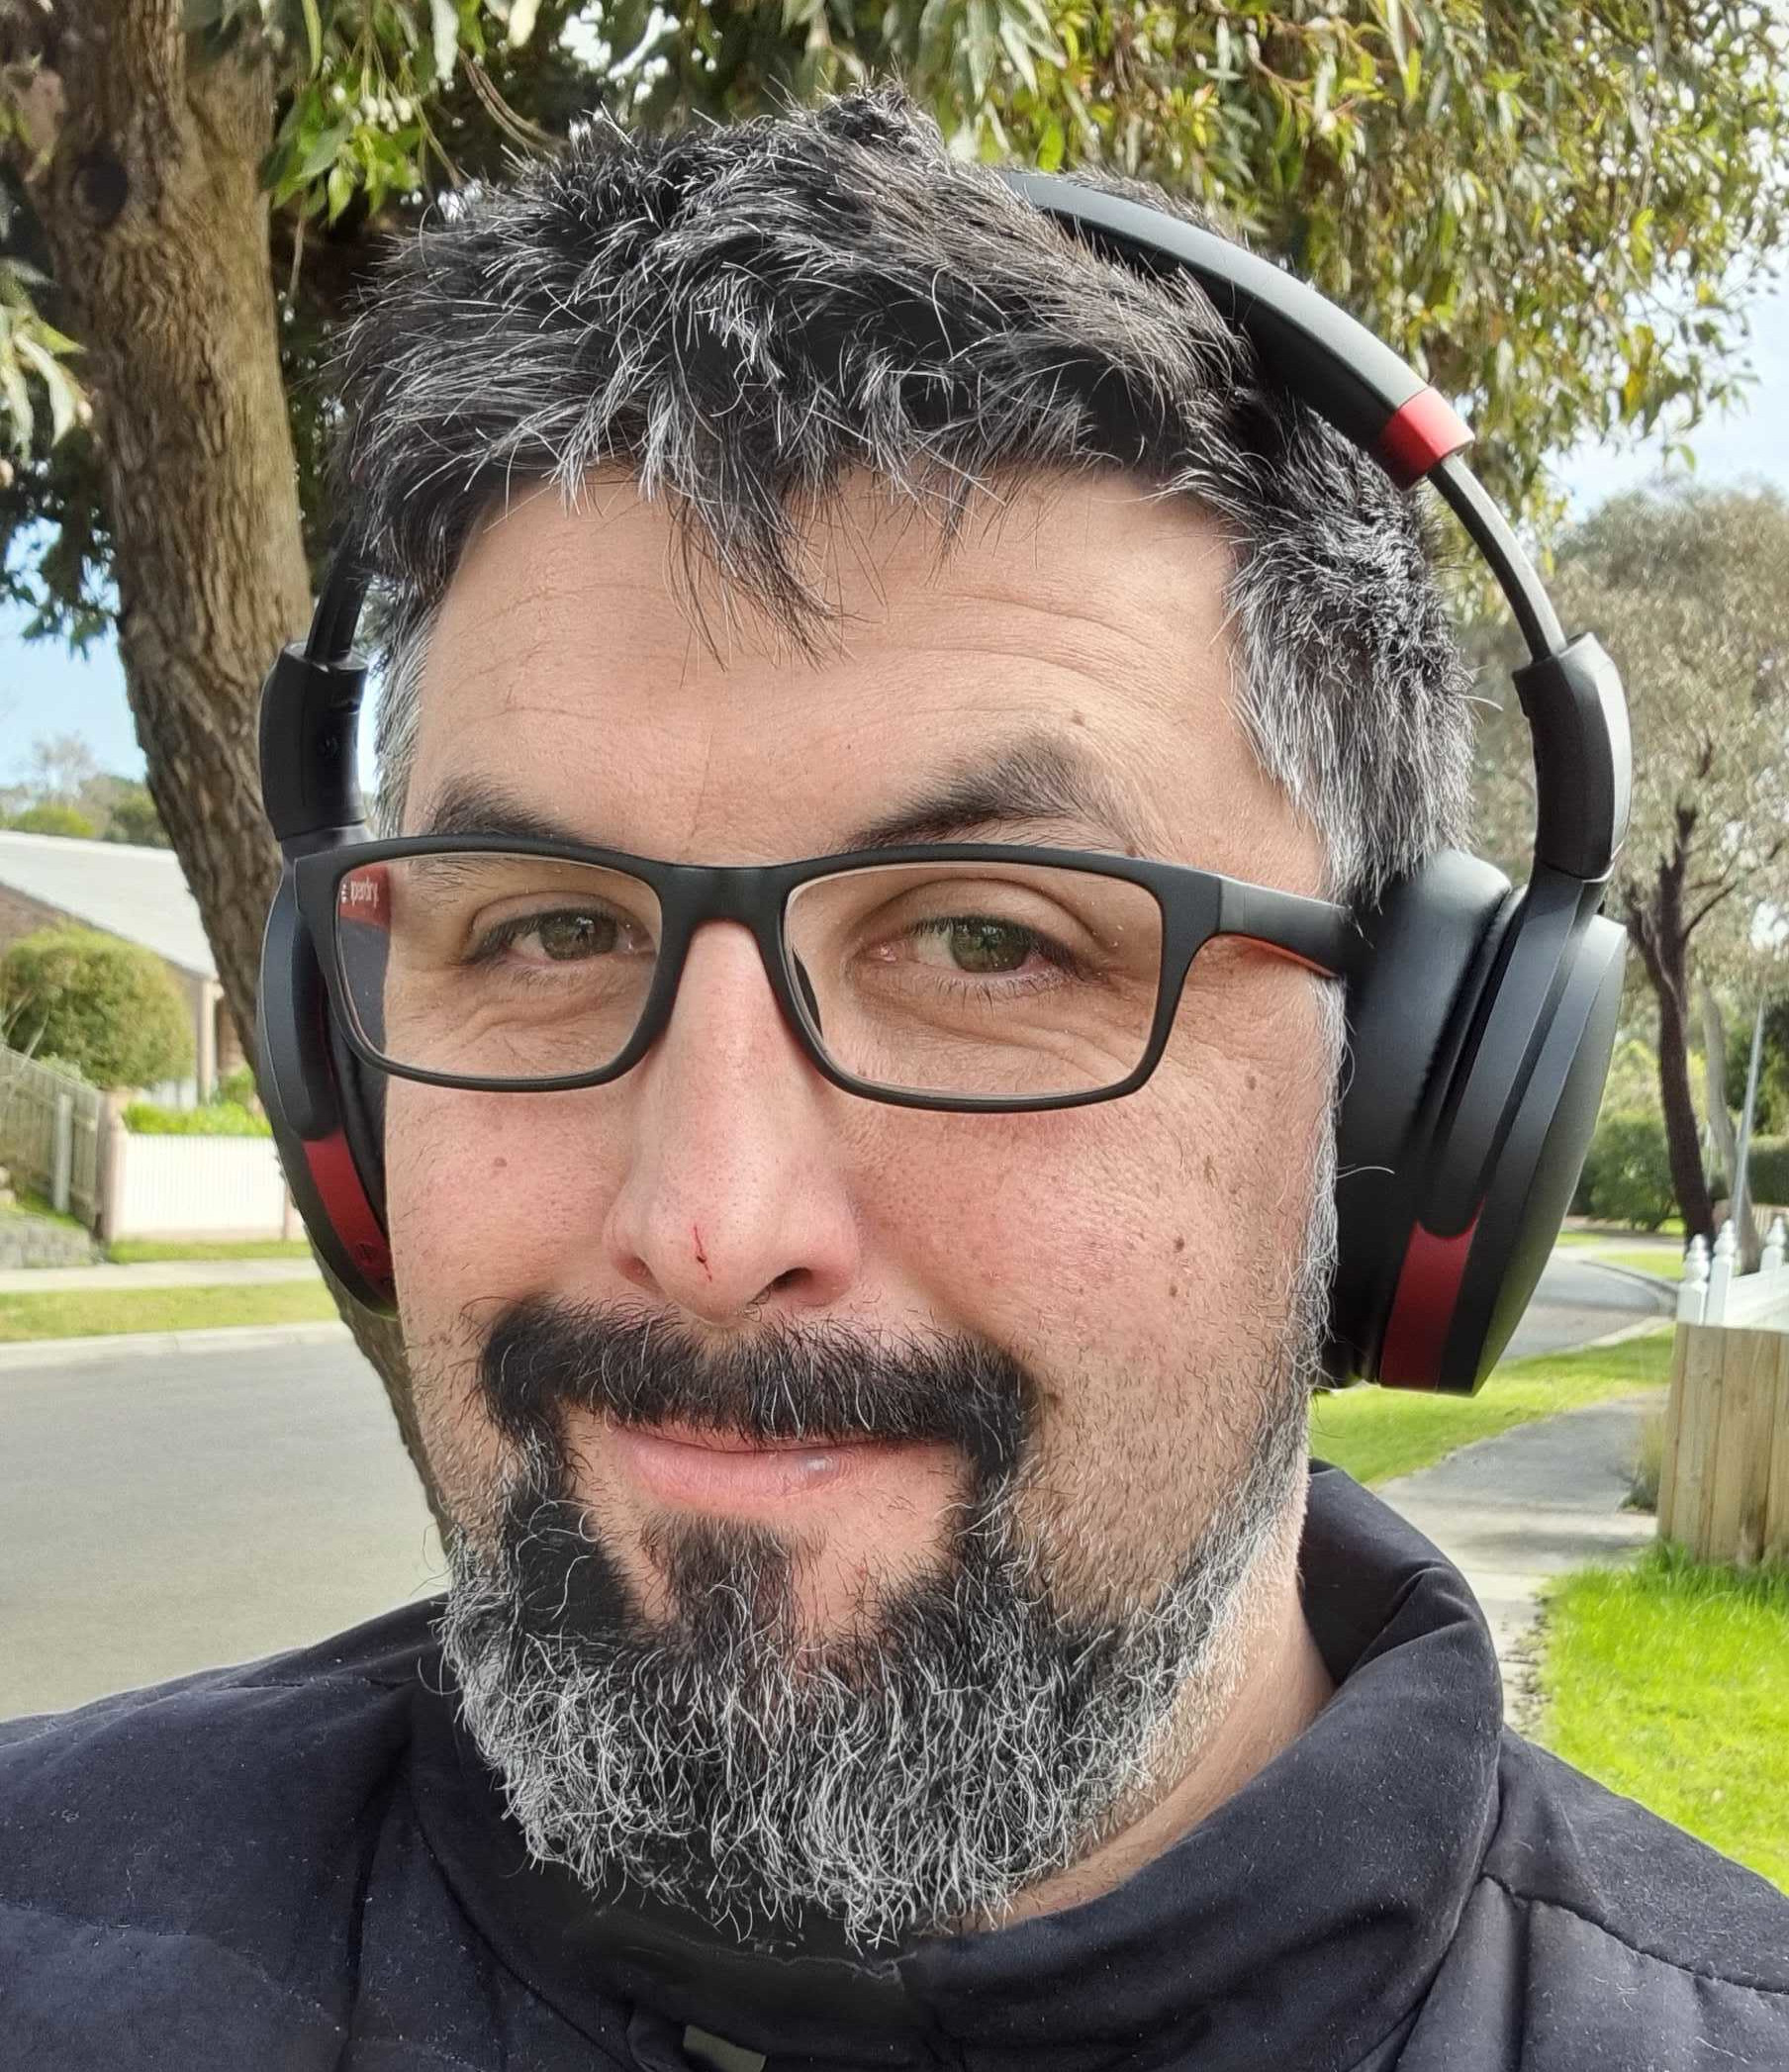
(742, 316)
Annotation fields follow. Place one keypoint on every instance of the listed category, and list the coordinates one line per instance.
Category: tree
(1686, 588)
(109, 1006)
(62, 766)
(1556, 207)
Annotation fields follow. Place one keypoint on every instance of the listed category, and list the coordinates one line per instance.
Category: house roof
(139, 894)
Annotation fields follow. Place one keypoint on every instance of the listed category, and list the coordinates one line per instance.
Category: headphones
(1480, 1019)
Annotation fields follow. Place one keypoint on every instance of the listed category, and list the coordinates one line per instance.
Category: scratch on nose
(702, 1257)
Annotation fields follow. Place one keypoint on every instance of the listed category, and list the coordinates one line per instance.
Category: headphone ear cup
(1435, 940)
(1543, 1153)
(324, 1126)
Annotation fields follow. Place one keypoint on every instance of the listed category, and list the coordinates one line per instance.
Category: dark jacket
(300, 1866)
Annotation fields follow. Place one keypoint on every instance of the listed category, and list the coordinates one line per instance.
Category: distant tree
(52, 818)
(62, 766)
(107, 1006)
(133, 816)
(1687, 589)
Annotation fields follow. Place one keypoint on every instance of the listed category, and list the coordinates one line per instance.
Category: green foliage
(52, 820)
(1557, 212)
(1627, 1177)
(1767, 1173)
(107, 1005)
(218, 1118)
(240, 1086)
(1772, 1112)
(133, 816)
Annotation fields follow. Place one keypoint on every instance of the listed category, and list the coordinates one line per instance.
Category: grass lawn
(1377, 1433)
(1664, 1265)
(1669, 1682)
(86, 1312)
(136, 1251)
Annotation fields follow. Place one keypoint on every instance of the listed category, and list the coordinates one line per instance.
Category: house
(140, 894)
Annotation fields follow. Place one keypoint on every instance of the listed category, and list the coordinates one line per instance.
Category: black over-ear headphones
(1480, 1021)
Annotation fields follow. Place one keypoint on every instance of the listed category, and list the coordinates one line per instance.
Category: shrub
(53, 819)
(106, 1005)
(1767, 1175)
(1627, 1175)
(238, 1087)
(218, 1118)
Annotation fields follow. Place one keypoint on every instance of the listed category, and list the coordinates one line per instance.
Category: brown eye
(989, 946)
(566, 937)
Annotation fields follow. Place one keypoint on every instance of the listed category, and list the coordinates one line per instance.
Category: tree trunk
(153, 209)
(1658, 931)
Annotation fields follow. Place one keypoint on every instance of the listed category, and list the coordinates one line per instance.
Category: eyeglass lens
(989, 980)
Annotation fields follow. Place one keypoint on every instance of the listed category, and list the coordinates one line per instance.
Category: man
(892, 1622)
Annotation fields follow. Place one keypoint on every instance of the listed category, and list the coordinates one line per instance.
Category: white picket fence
(195, 1187)
(1714, 1292)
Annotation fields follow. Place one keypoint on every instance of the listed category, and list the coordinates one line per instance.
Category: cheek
(483, 1191)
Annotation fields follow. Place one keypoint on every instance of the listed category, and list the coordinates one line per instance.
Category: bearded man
(889, 720)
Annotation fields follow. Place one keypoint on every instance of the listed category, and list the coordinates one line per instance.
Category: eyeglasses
(956, 976)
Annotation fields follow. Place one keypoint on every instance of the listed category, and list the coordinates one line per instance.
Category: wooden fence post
(1724, 1482)
(62, 1154)
(113, 1149)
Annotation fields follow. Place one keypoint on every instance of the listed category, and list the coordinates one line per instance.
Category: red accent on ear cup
(1420, 435)
(337, 1183)
(1428, 1293)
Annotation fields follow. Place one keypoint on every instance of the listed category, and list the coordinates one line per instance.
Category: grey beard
(971, 1738)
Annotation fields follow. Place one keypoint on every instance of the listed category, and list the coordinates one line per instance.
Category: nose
(733, 1196)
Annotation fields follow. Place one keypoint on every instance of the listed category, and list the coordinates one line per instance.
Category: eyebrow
(1030, 781)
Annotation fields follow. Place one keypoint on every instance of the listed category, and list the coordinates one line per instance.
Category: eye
(976, 943)
(565, 937)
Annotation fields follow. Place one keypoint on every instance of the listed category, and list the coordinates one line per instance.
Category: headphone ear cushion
(1457, 1339)
(319, 1113)
(1435, 939)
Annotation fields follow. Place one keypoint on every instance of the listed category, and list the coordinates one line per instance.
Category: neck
(1276, 1686)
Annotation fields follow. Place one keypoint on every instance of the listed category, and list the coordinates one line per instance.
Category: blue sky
(44, 689)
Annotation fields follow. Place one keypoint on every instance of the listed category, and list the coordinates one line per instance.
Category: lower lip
(712, 1472)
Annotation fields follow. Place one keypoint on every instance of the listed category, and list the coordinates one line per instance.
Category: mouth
(730, 1472)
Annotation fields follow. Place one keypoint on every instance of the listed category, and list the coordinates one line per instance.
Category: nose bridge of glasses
(749, 896)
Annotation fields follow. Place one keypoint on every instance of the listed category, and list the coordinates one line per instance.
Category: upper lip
(729, 1438)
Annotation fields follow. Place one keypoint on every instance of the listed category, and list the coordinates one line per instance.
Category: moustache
(820, 1383)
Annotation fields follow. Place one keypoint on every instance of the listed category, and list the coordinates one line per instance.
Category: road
(161, 1515)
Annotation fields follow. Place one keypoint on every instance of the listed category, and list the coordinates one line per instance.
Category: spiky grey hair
(741, 316)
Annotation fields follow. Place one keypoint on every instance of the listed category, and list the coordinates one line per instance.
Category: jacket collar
(1298, 1924)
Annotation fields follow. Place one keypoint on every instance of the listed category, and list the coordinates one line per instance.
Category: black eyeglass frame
(1197, 906)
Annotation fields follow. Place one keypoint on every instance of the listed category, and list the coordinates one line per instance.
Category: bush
(238, 1087)
(1627, 1177)
(1767, 1175)
(53, 819)
(218, 1118)
(106, 1005)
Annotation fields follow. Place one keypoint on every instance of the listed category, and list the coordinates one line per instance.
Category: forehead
(594, 676)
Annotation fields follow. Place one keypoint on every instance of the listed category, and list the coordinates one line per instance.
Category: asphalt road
(160, 1515)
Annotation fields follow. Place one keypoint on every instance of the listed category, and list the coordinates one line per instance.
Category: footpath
(161, 1272)
(1511, 1511)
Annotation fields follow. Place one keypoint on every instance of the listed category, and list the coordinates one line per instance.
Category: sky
(44, 689)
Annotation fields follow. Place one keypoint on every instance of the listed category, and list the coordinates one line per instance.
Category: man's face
(1123, 1270)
